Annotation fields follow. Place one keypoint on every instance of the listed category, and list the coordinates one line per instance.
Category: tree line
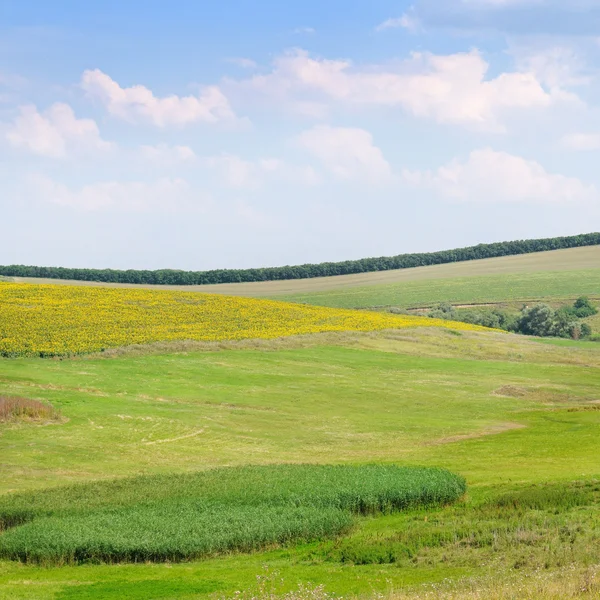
(365, 265)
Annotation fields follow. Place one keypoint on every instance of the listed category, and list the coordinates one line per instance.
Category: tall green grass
(169, 531)
(191, 516)
(542, 526)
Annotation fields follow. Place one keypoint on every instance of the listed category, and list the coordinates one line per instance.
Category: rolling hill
(557, 274)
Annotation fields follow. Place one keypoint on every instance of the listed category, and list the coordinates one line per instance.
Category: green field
(522, 287)
(516, 417)
(555, 276)
(573, 259)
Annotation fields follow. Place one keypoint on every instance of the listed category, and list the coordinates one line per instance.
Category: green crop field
(572, 259)
(559, 275)
(516, 417)
(509, 287)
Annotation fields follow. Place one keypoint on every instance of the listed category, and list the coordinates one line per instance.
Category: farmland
(557, 275)
(62, 321)
(548, 276)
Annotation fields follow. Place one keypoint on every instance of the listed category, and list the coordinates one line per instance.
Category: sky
(234, 134)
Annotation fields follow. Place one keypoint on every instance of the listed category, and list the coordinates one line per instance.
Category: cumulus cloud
(582, 141)
(406, 21)
(238, 173)
(165, 194)
(138, 103)
(449, 89)
(348, 153)
(490, 176)
(165, 154)
(245, 174)
(555, 66)
(244, 63)
(54, 133)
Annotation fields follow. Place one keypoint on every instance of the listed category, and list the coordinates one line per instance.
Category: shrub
(565, 325)
(583, 308)
(537, 320)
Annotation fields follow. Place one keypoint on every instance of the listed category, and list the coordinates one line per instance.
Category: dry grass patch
(26, 409)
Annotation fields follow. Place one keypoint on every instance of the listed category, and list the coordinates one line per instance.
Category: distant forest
(365, 265)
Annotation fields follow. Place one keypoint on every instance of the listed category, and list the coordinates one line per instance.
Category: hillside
(516, 417)
(562, 274)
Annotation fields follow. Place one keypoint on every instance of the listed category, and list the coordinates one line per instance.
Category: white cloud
(348, 153)
(490, 176)
(556, 67)
(164, 194)
(238, 173)
(139, 103)
(244, 63)
(406, 21)
(245, 174)
(164, 154)
(54, 133)
(448, 89)
(582, 141)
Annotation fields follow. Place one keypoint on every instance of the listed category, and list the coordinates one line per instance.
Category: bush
(487, 319)
(565, 325)
(583, 308)
(537, 320)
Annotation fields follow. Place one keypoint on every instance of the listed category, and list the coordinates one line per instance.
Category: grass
(536, 527)
(516, 417)
(389, 396)
(493, 289)
(561, 584)
(183, 517)
(172, 531)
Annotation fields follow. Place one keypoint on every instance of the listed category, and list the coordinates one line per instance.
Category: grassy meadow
(516, 417)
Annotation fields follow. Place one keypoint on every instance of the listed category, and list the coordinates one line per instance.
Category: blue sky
(201, 135)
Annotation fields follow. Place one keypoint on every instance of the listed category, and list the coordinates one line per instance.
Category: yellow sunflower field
(58, 320)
